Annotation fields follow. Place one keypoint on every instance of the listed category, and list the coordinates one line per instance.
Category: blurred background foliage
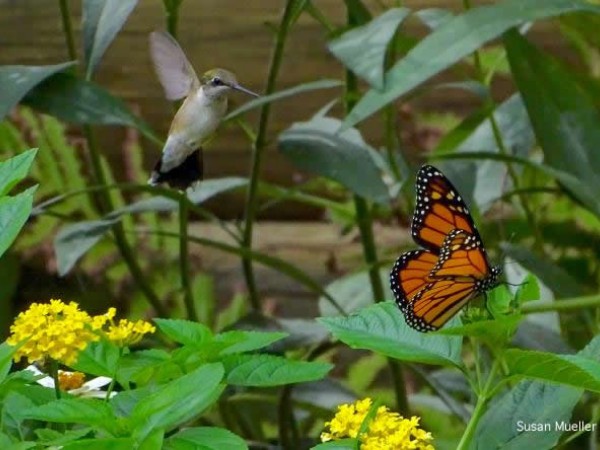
(503, 98)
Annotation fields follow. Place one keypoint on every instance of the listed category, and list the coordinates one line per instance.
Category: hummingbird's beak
(237, 87)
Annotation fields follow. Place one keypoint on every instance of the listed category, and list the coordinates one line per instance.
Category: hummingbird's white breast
(197, 118)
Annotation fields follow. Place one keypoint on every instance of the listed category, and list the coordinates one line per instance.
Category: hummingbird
(198, 117)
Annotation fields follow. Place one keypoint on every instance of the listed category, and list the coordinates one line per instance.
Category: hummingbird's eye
(216, 81)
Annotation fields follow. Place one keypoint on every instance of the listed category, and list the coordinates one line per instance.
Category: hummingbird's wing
(174, 71)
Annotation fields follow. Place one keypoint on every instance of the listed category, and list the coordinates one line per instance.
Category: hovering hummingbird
(198, 117)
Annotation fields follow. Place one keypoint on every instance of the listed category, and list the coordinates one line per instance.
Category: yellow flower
(52, 330)
(386, 430)
(127, 333)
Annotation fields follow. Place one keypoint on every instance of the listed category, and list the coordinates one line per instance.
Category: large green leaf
(74, 241)
(87, 411)
(455, 39)
(363, 49)
(184, 331)
(318, 147)
(17, 81)
(14, 212)
(205, 438)
(381, 328)
(71, 99)
(98, 358)
(504, 424)
(101, 21)
(563, 114)
(572, 370)
(353, 292)
(269, 370)
(178, 401)
(15, 169)
(517, 136)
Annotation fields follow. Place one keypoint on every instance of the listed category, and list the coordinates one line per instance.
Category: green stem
(172, 10)
(184, 259)
(68, 29)
(104, 197)
(482, 399)
(53, 367)
(364, 221)
(592, 301)
(111, 386)
(258, 152)
(288, 431)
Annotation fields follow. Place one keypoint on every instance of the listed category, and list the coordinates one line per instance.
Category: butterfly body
(431, 285)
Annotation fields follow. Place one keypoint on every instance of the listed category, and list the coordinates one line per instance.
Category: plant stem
(364, 221)
(172, 9)
(288, 431)
(68, 29)
(184, 261)
(103, 197)
(482, 398)
(259, 148)
(54, 372)
(591, 301)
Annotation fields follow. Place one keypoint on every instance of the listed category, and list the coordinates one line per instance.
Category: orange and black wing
(411, 274)
(462, 255)
(439, 210)
(457, 275)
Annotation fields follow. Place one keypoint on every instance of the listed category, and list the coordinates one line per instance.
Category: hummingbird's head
(217, 82)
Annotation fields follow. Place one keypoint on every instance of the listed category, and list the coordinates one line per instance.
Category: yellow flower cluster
(60, 331)
(386, 430)
(55, 330)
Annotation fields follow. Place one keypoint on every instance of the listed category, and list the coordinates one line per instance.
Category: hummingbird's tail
(190, 171)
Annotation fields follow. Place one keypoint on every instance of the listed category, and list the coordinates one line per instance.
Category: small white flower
(90, 388)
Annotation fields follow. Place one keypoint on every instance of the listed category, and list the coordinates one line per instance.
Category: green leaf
(86, 411)
(102, 444)
(560, 282)
(17, 81)
(246, 341)
(280, 95)
(381, 328)
(517, 135)
(455, 39)
(14, 212)
(178, 401)
(203, 192)
(502, 425)
(504, 422)
(573, 370)
(101, 21)
(15, 169)
(184, 331)
(563, 114)
(352, 292)
(318, 147)
(205, 438)
(98, 358)
(363, 49)
(269, 370)
(6, 354)
(342, 444)
(528, 291)
(72, 242)
(74, 100)
(496, 332)
(434, 17)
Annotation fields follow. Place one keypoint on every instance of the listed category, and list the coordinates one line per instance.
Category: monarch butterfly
(433, 284)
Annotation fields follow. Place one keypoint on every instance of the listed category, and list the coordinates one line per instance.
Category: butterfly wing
(411, 274)
(462, 255)
(460, 273)
(439, 210)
